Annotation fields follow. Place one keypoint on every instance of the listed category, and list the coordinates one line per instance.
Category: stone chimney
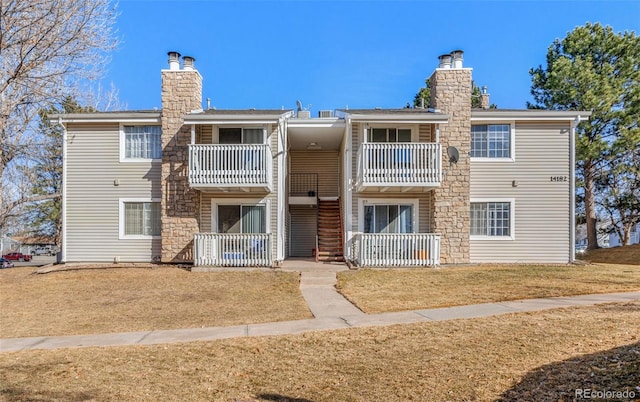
(181, 94)
(484, 98)
(451, 88)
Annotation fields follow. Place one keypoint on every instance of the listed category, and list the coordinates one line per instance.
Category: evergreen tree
(45, 216)
(597, 70)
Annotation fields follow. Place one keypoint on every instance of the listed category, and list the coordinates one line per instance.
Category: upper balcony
(244, 167)
(399, 166)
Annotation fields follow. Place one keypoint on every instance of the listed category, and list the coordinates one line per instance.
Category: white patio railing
(396, 250)
(232, 249)
(217, 165)
(400, 164)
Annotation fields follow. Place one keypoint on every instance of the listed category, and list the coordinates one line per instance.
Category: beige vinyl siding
(425, 133)
(541, 205)
(355, 145)
(207, 197)
(92, 199)
(206, 135)
(272, 139)
(326, 164)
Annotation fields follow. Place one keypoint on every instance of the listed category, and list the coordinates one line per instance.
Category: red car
(17, 257)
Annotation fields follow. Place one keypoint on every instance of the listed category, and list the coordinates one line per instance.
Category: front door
(302, 230)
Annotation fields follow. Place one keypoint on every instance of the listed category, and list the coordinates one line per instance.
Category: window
(389, 135)
(394, 218)
(491, 141)
(142, 142)
(236, 135)
(491, 219)
(139, 219)
(242, 218)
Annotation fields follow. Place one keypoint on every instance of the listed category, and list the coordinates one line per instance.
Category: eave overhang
(390, 116)
(529, 114)
(235, 118)
(106, 117)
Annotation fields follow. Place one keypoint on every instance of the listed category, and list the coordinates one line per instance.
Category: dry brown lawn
(122, 300)
(376, 291)
(614, 255)
(542, 356)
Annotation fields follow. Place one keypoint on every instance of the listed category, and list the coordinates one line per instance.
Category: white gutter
(527, 114)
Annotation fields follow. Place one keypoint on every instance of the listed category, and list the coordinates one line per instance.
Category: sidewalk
(330, 309)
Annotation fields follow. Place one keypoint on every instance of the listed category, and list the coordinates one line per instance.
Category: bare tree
(47, 47)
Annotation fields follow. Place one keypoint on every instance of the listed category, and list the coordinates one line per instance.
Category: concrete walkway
(330, 309)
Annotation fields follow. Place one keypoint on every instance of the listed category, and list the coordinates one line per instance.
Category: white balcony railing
(397, 249)
(400, 164)
(232, 249)
(241, 165)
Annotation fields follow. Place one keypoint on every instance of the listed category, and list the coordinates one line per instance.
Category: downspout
(63, 248)
(282, 128)
(348, 184)
(572, 190)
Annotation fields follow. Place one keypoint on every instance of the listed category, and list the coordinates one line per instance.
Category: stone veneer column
(451, 94)
(181, 93)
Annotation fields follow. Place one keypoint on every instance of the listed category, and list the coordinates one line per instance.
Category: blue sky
(334, 54)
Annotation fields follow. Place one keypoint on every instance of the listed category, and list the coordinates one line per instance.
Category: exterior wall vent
(325, 113)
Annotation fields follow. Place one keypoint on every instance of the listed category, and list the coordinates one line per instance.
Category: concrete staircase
(329, 231)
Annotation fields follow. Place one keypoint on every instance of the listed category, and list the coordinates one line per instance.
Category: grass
(376, 291)
(542, 356)
(614, 255)
(121, 300)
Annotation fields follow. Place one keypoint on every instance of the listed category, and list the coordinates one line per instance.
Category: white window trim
(415, 130)
(389, 201)
(512, 218)
(121, 234)
(123, 158)
(215, 133)
(240, 201)
(512, 142)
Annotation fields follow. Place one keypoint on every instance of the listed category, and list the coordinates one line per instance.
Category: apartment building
(444, 184)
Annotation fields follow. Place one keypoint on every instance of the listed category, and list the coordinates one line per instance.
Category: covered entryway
(314, 178)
